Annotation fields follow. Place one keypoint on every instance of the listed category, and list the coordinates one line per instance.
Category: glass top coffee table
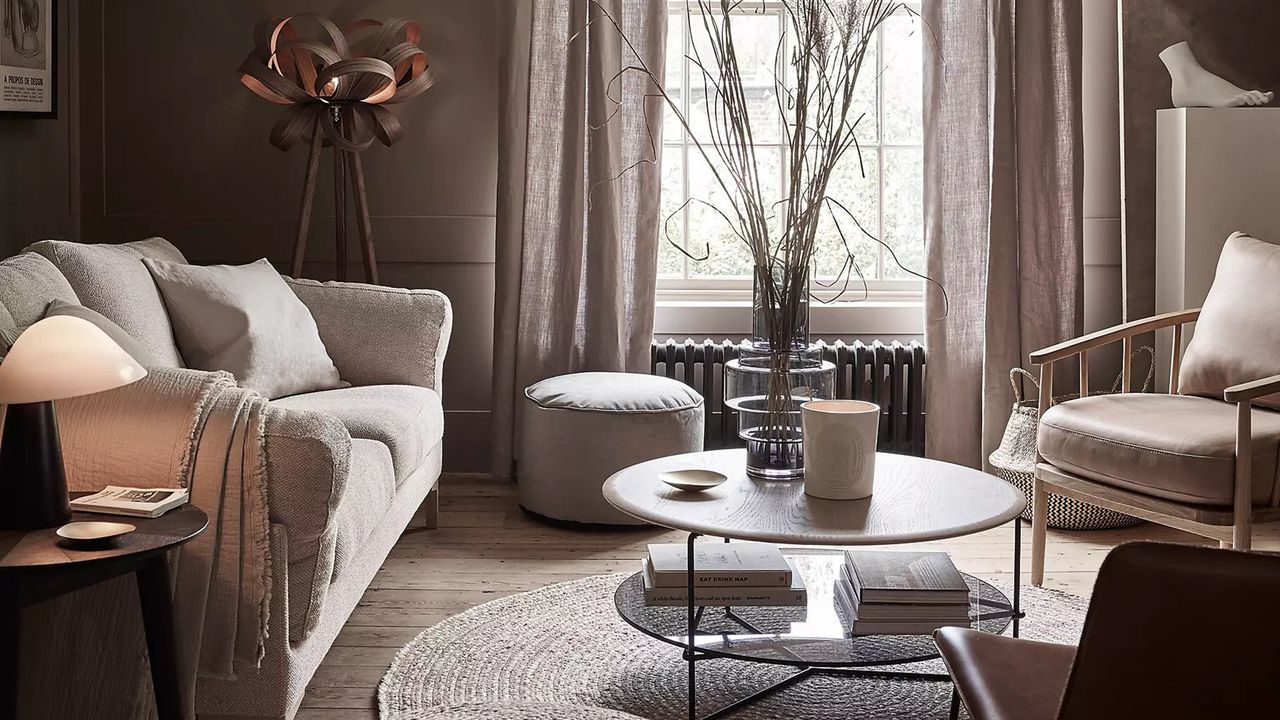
(915, 500)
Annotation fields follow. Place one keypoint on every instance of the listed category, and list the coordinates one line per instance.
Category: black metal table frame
(692, 655)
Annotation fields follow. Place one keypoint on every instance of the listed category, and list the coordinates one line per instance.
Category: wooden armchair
(1201, 459)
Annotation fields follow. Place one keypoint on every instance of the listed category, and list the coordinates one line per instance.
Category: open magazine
(136, 502)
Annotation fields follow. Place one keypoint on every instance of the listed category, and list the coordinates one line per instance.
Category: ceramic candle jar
(839, 448)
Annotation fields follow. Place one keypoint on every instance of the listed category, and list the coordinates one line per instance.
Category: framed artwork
(27, 55)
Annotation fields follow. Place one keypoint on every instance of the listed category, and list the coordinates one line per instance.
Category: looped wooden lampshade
(371, 65)
(337, 85)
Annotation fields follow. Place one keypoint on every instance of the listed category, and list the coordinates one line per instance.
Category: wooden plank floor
(486, 547)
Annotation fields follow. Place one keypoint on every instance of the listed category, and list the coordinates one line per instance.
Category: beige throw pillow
(110, 279)
(113, 331)
(1237, 337)
(245, 320)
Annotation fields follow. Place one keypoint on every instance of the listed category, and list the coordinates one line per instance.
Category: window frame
(692, 291)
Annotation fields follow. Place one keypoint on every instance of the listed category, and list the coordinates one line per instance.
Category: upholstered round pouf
(576, 430)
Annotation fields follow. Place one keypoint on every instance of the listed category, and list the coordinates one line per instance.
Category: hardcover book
(905, 577)
(792, 594)
(749, 564)
(848, 608)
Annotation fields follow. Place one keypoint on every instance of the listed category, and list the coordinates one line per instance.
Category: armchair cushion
(1237, 334)
(408, 419)
(110, 279)
(1176, 447)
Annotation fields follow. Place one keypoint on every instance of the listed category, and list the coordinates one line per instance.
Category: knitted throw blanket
(186, 428)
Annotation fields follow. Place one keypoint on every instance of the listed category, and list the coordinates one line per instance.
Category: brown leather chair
(1175, 459)
(1173, 632)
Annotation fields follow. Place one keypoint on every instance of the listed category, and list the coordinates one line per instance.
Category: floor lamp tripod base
(348, 174)
(31, 473)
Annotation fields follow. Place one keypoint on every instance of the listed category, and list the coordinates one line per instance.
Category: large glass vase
(776, 371)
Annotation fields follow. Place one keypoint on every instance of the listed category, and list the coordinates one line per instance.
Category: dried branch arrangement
(815, 81)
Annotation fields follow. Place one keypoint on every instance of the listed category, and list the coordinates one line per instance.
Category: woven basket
(1015, 461)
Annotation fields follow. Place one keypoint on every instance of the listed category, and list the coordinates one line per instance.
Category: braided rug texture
(564, 645)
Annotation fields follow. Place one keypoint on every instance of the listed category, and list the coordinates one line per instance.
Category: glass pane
(755, 43)
(863, 111)
(671, 223)
(673, 83)
(903, 80)
(853, 185)
(904, 210)
(728, 254)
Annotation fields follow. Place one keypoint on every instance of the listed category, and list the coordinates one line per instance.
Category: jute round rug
(565, 644)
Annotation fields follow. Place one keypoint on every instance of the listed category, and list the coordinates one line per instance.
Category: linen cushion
(408, 419)
(28, 282)
(1237, 337)
(1177, 447)
(245, 320)
(111, 280)
(113, 331)
(371, 486)
(613, 392)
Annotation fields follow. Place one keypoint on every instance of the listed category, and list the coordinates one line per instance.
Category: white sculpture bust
(1193, 86)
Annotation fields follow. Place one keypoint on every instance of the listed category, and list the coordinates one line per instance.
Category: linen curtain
(578, 203)
(1003, 166)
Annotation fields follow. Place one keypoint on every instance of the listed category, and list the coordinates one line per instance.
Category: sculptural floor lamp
(337, 85)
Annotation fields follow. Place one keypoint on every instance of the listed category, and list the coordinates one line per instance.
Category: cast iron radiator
(891, 376)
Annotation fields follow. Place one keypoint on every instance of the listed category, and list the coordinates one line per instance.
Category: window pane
(863, 110)
(860, 195)
(904, 210)
(729, 255)
(903, 81)
(755, 44)
(674, 80)
(671, 223)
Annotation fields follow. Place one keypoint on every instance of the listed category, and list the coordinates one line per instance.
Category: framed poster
(27, 56)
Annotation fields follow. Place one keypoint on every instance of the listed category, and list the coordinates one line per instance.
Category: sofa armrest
(378, 335)
(1252, 390)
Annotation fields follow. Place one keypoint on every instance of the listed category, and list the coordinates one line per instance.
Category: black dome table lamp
(56, 358)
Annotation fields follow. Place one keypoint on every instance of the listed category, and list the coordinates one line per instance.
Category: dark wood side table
(37, 565)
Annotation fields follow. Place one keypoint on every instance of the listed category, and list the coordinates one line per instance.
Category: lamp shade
(62, 357)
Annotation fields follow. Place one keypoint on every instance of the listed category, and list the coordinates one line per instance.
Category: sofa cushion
(407, 419)
(371, 486)
(1237, 333)
(110, 279)
(113, 331)
(28, 283)
(243, 319)
(1176, 447)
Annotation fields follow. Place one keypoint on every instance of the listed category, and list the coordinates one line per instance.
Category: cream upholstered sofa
(346, 468)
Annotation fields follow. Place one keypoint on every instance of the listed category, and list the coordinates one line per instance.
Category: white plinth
(1217, 171)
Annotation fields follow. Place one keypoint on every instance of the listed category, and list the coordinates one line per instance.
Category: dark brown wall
(176, 147)
(1236, 40)
(38, 170)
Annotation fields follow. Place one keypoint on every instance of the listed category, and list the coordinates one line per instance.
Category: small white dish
(693, 480)
(94, 531)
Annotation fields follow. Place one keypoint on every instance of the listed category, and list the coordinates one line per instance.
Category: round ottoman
(576, 430)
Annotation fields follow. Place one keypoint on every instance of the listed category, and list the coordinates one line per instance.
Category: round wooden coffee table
(915, 500)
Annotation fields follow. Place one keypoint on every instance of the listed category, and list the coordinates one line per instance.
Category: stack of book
(900, 593)
(740, 573)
